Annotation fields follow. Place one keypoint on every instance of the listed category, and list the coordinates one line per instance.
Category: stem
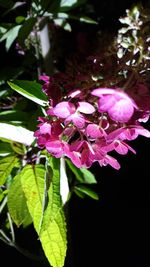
(37, 52)
(46, 46)
(23, 251)
(3, 204)
(4, 237)
(11, 227)
(128, 81)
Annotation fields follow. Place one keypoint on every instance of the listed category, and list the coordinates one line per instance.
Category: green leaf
(6, 166)
(5, 149)
(1, 195)
(66, 5)
(63, 23)
(88, 177)
(26, 29)
(17, 203)
(19, 19)
(10, 36)
(82, 175)
(50, 225)
(87, 191)
(16, 133)
(30, 90)
(18, 148)
(13, 116)
(87, 20)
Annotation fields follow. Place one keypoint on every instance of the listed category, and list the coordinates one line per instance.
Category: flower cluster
(86, 125)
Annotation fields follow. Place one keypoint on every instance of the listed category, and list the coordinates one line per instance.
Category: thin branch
(5, 237)
(3, 204)
(11, 227)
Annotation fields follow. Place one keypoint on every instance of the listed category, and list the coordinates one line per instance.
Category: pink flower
(68, 111)
(85, 128)
(128, 133)
(94, 131)
(116, 103)
(109, 160)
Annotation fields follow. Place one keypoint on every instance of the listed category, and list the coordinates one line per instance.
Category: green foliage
(82, 175)
(30, 90)
(16, 133)
(10, 36)
(84, 181)
(6, 166)
(5, 149)
(82, 190)
(49, 223)
(25, 30)
(17, 206)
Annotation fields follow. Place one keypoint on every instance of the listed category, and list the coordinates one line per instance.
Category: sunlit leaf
(16, 133)
(82, 175)
(51, 225)
(66, 5)
(87, 20)
(87, 191)
(6, 166)
(17, 203)
(30, 90)
(10, 36)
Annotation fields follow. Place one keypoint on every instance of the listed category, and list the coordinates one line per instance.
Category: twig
(11, 227)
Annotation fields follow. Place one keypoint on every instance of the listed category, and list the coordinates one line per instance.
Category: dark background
(114, 231)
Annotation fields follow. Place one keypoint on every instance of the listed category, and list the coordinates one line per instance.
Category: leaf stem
(11, 227)
(3, 204)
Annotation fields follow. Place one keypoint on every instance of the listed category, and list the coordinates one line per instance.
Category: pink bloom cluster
(86, 126)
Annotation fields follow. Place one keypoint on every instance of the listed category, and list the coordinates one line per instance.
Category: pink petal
(87, 158)
(94, 131)
(85, 108)
(63, 109)
(74, 93)
(55, 148)
(105, 103)
(77, 119)
(111, 161)
(122, 111)
(45, 128)
(143, 132)
(120, 148)
(44, 78)
(103, 91)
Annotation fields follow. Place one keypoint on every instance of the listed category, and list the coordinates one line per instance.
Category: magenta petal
(85, 108)
(142, 131)
(122, 111)
(75, 158)
(120, 148)
(44, 78)
(106, 102)
(87, 158)
(45, 128)
(77, 119)
(103, 91)
(55, 148)
(111, 161)
(63, 109)
(93, 131)
(74, 93)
